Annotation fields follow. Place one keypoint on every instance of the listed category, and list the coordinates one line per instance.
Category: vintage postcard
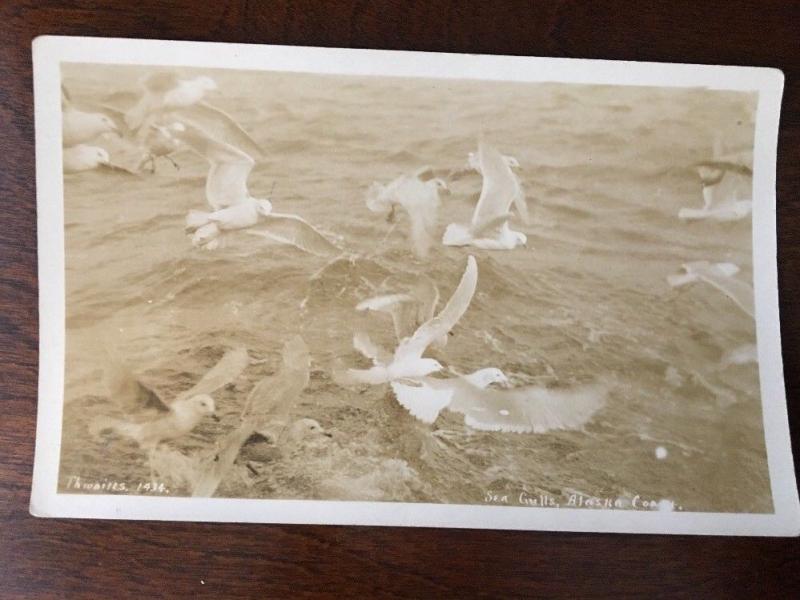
(313, 285)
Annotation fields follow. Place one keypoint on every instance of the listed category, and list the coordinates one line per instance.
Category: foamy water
(605, 171)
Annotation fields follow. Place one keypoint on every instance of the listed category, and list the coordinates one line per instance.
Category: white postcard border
(50, 51)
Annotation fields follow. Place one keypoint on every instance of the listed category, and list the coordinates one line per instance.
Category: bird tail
(456, 235)
(196, 219)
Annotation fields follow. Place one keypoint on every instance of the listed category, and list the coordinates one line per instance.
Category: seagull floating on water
(232, 205)
(418, 196)
(84, 157)
(488, 227)
(79, 126)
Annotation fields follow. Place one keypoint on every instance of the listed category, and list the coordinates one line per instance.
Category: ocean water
(605, 170)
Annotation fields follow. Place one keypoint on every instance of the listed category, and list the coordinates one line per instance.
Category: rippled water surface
(605, 169)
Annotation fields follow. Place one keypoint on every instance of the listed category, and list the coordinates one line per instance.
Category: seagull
(232, 205)
(527, 409)
(79, 126)
(407, 361)
(720, 276)
(164, 91)
(149, 420)
(157, 143)
(473, 162)
(724, 180)
(266, 408)
(418, 195)
(489, 228)
(408, 309)
(86, 158)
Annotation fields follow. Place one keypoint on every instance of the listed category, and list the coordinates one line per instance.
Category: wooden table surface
(64, 558)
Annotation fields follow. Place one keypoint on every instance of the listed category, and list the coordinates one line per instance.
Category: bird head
(483, 378)
(100, 155)
(106, 124)
(306, 429)
(264, 207)
(201, 405)
(441, 185)
(512, 162)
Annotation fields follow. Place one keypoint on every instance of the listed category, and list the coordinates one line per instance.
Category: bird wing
(371, 350)
(226, 183)
(499, 187)
(293, 230)
(126, 390)
(383, 303)
(421, 202)
(520, 203)
(424, 402)
(442, 323)
(218, 125)
(529, 409)
(229, 367)
(721, 276)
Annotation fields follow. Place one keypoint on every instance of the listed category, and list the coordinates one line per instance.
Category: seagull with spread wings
(488, 227)
(418, 195)
(266, 413)
(720, 276)
(149, 420)
(407, 360)
(525, 409)
(233, 207)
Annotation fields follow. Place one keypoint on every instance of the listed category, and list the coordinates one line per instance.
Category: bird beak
(216, 418)
(326, 434)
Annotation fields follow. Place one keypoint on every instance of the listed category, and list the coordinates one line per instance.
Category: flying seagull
(232, 205)
(79, 126)
(418, 195)
(149, 420)
(407, 360)
(488, 227)
(720, 276)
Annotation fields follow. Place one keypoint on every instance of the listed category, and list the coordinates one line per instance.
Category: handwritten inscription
(577, 500)
(111, 486)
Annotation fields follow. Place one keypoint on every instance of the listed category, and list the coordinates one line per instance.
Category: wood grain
(56, 559)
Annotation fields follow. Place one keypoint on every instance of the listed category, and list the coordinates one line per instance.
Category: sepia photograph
(335, 287)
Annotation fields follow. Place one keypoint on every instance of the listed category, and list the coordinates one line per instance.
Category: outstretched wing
(293, 230)
(126, 390)
(721, 276)
(423, 402)
(442, 323)
(229, 367)
(422, 206)
(226, 184)
(218, 125)
(500, 187)
(530, 409)
(369, 349)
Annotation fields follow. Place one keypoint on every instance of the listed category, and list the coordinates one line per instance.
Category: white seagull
(79, 126)
(722, 277)
(724, 182)
(149, 420)
(527, 409)
(418, 195)
(84, 157)
(407, 361)
(408, 309)
(232, 205)
(489, 228)
(164, 91)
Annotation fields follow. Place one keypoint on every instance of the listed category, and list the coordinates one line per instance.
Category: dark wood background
(63, 558)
